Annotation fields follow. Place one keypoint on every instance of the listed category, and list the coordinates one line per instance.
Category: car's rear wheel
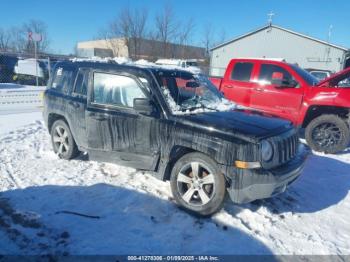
(62, 140)
(328, 133)
(197, 184)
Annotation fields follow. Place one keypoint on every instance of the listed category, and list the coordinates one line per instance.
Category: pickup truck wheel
(197, 184)
(327, 133)
(62, 141)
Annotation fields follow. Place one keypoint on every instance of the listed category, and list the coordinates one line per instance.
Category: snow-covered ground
(48, 205)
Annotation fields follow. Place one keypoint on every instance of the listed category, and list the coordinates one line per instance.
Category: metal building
(147, 49)
(276, 42)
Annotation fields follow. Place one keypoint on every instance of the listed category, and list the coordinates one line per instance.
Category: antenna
(269, 20)
(330, 33)
(328, 48)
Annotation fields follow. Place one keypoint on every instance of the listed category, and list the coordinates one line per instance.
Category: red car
(287, 91)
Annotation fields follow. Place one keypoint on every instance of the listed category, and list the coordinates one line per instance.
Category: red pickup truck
(287, 91)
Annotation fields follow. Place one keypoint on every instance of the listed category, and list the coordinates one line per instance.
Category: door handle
(259, 89)
(74, 104)
(97, 117)
(229, 86)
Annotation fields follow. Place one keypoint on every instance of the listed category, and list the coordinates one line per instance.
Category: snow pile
(96, 59)
(122, 60)
(191, 69)
(143, 62)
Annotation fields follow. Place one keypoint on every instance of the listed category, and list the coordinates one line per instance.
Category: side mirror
(144, 106)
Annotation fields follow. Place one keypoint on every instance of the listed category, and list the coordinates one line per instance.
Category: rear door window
(62, 79)
(81, 82)
(242, 71)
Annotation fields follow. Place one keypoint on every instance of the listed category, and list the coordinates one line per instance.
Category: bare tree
(184, 36)
(129, 25)
(138, 20)
(166, 28)
(222, 37)
(155, 51)
(208, 38)
(38, 27)
(111, 40)
(5, 40)
(18, 39)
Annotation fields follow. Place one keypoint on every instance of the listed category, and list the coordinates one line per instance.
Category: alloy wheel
(60, 140)
(326, 135)
(196, 183)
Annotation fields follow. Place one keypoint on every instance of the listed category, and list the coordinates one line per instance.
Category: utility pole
(36, 63)
(328, 49)
(35, 38)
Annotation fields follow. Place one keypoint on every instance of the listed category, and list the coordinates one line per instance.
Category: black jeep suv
(174, 124)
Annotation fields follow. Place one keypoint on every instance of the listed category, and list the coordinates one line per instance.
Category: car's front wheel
(62, 140)
(327, 133)
(197, 184)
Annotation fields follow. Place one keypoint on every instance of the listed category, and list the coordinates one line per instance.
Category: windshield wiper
(193, 108)
(212, 108)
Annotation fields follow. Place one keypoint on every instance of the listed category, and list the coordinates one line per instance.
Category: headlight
(266, 151)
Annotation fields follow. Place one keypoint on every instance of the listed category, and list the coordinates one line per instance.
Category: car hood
(334, 79)
(243, 124)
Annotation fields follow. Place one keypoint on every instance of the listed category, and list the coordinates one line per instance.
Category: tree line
(135, 25)
(15, 39)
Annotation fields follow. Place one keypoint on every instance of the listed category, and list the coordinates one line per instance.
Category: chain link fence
(24, 69)
(23, 79)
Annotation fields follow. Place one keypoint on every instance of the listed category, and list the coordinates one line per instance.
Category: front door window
(115, 90)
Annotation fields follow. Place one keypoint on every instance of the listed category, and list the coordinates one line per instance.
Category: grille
(285, 148)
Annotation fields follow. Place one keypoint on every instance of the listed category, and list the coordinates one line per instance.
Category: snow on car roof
(142, 63)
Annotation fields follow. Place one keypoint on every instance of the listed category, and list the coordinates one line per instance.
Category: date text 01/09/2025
(173, 258)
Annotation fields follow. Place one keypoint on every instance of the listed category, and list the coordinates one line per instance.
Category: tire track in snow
(27, 231)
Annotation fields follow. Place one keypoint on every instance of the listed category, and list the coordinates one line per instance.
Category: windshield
(188, 93)
(308, 78)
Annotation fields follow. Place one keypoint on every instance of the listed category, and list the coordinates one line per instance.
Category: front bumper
(251, 184)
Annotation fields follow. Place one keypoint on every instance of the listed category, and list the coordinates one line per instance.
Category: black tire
(208, 170)
(328, 133)
(66, 148)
